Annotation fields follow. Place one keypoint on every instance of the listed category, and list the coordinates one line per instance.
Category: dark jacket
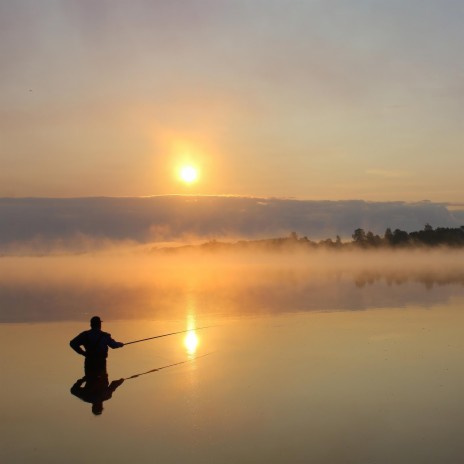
(95, 342)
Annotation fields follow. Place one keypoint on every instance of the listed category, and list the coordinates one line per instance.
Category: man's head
(97, 408)
(95, 322)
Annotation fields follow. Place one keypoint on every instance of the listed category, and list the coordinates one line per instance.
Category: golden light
(188, 174)
(191, 342)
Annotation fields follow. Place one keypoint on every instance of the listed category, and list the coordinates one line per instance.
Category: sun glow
(188, 174)
(191, 342)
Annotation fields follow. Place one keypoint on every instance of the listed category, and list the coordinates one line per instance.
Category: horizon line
(226, 195)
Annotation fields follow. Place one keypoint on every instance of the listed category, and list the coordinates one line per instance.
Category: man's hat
(95, 320)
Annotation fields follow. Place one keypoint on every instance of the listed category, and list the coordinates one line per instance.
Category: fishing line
(169, 365)
(168, 334)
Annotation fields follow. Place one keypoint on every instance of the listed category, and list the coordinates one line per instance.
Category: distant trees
(359, 237)
(400, 237)
(453, 237)
(388, 236)
(430, 237)
(366, 240)
(427, 237)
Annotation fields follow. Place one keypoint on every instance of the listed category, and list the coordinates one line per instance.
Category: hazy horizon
(47, 224)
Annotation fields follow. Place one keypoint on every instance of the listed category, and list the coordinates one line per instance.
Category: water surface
(360, 366)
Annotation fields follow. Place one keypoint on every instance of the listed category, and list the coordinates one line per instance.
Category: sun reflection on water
(191, 342)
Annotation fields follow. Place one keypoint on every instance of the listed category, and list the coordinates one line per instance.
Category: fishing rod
(167, 335)
(164, 367)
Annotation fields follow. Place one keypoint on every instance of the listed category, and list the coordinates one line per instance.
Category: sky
(314, 100)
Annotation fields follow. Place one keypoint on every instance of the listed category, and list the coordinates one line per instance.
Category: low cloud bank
(90, 223)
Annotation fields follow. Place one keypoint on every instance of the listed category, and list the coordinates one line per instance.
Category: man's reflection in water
(94, 387)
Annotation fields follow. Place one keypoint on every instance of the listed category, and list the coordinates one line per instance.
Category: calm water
(342, 366)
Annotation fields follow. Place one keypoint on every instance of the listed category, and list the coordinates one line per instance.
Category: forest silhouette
(428, 237)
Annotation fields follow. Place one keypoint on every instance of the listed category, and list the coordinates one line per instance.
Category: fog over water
(134, 282)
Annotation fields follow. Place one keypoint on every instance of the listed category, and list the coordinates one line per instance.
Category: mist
(129, 282)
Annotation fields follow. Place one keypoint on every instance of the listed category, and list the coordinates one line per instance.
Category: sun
(188, 174)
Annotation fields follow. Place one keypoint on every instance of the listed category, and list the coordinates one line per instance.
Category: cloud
(98, 221)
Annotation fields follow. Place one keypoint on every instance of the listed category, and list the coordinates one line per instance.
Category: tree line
(428, 237)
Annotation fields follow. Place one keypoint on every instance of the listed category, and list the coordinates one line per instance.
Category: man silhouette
(96, 343)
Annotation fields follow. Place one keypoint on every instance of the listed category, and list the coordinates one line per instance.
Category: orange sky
(314, 100)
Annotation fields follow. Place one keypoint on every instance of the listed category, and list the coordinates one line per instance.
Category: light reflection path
(167, 335)
(165, 367)
(191, 343)
(191, 340)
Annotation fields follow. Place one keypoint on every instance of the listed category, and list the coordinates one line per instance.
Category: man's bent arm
(75, 344)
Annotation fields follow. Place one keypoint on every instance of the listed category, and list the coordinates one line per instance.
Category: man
(96, 343)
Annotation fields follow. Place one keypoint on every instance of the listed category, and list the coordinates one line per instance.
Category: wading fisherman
(95, 343)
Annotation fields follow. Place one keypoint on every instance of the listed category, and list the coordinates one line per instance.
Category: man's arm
(115, 384)
(76, 344)
(113, 343)
(77, 387)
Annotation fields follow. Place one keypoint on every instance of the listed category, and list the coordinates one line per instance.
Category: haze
(313, 99)
(139, 283)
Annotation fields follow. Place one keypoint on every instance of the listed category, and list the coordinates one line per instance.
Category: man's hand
(115, 384)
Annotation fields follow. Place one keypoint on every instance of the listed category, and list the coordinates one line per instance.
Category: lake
(325, 358)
